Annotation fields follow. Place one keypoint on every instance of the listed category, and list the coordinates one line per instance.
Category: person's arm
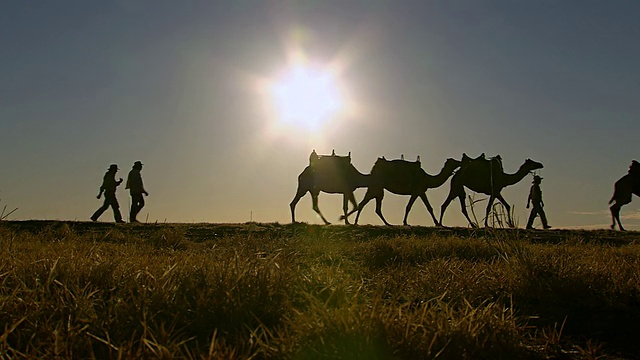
(144, 191)
(540, 196)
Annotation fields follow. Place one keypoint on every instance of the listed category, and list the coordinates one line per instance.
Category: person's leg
(137, 202)
(132, 211)
(99, 212)
(140, 202)
(532, 217)
(543, 217)
(113, 201)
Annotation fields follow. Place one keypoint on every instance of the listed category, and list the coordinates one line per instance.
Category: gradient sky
(175, 84)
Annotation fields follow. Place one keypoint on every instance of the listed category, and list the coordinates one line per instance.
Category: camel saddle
(397, 166)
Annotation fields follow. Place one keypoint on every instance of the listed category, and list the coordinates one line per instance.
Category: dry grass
(306, 292)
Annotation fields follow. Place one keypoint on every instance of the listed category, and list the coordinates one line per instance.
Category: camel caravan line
(335, 174)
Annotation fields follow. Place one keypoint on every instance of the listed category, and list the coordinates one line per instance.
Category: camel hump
(493, 164)
(634, 168)
(496, 160)
(482, 159)
(316, 160)
(405, 162)
(332, 159)
(383, 165)
(466, 158)
(382, 159)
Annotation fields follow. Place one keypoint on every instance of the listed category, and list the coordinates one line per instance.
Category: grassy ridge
(80, 290)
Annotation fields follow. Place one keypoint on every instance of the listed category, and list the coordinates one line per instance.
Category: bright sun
(306, 97)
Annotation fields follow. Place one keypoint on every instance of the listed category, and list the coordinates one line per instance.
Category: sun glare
(306, 97)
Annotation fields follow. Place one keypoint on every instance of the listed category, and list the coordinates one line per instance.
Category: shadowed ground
(534, 294)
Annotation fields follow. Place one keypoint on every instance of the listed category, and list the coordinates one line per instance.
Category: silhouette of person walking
(535, 197)
(109, 185)
(624, 189)
(136, 189)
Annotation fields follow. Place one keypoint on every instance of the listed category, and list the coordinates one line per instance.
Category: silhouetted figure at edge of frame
(109, 185)
(623, 191)
(535, 197)
(136, 189)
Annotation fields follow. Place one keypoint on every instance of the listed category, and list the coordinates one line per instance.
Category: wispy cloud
(598, 213)
(635, 215)
(586, 227)
(630, 219)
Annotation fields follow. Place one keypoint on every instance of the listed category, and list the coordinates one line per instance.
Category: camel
(404, 178)
(487, 177)
(623, 191)
(331, 174)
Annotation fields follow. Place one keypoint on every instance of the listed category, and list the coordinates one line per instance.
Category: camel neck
(514, 178)
(441, 178)
(361, 180)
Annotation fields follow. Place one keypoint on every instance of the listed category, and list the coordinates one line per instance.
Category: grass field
(297, 291)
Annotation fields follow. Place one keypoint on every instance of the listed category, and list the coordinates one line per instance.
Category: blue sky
(84, 84)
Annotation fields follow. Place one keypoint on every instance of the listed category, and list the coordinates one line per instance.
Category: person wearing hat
(136, 189)
(535, 197)
(109, 185)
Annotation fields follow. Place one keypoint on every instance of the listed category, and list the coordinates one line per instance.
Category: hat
(113, 166)
(137, 163)
(537, 178)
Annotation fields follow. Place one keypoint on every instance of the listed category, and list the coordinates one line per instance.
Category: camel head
(381, 160)
(452, 164)
(531, 165)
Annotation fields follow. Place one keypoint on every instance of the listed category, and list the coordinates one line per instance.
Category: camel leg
(408, 208)
(314, 198)
(367, 197)
(486, 215)
(423, 196)
(299, 194)
(353, 201)
(508, 207)
(619, 202)
(346, 198)
(452, 195)
(379, 209)
(463, 207)
(615, 214)
(361, 206)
